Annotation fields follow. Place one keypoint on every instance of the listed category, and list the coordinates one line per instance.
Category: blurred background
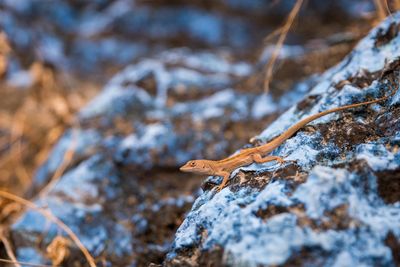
(57, 56)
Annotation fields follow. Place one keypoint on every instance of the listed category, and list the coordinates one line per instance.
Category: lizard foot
(280, 160)
(218, 188)
(223, 183)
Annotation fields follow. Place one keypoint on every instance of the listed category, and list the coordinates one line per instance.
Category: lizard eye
(192, 164)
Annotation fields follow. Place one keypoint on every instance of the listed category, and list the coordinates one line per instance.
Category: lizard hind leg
(258, 159)
(225, 179)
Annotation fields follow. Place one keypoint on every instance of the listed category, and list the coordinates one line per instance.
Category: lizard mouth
(187, 168)
(184, 168)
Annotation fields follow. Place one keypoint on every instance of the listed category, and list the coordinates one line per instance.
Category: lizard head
(198, 166)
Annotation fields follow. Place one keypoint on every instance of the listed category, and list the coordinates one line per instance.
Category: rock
(91, 36)
(122, 193)
(330, 203)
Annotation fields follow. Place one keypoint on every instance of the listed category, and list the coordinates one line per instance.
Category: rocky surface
(336, 200)
(90, 36)
(114, 194)
(122, 193)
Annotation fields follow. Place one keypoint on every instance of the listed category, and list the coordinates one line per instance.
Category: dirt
(389, 185)
(271, 211)
(361, 80)
(394, 245)
(307, 256)
(308, 102)
(384, 37)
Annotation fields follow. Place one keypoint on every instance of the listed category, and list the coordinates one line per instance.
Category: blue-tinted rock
(327, 205)
(333, 203)
(133, 137)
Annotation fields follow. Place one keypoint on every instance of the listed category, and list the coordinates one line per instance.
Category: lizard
(260, 154)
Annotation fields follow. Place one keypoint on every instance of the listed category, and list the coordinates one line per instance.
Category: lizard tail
(264, 149)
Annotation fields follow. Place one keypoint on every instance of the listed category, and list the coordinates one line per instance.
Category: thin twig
(67, 159)
(388, 8)
(26, 263)
(8, 248)
(55, 220)
(292, 15)
(272, 35)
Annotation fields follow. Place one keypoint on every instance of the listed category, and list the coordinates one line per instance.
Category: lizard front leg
(258, 159)
(225, 179)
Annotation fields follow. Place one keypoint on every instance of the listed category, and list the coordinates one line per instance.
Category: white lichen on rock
(333, 190)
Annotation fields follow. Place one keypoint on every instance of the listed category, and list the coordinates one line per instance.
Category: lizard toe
(217, 188)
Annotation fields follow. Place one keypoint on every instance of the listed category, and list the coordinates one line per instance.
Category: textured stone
(333, 209)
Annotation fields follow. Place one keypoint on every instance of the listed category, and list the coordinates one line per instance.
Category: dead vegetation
(58, 246)
(34, 118)
(282, 36)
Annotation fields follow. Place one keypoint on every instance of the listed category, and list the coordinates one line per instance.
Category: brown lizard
(258, 154)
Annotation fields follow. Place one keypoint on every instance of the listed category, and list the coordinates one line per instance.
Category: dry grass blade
(67, 159)
(55, 220)
(58, 250)
(381, 5)
(285, 29)
(8, 248)
(26, 263)
(272, 35)
(387, 8)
